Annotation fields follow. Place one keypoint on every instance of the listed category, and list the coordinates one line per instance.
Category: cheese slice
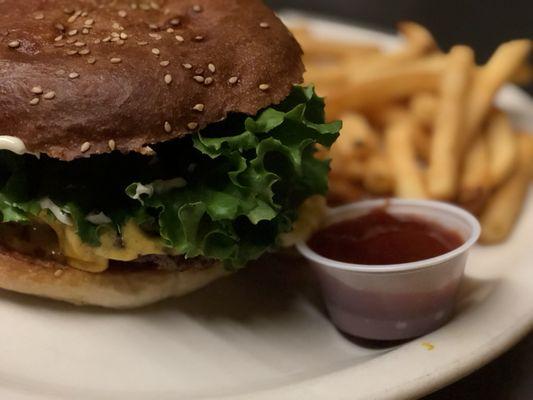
(132, 244)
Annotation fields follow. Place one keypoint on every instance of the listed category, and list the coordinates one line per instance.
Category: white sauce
(61, 216)
(98, 219)
(143, 189)
(13, 144)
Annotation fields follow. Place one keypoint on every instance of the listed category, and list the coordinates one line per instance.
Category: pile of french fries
(421, 123)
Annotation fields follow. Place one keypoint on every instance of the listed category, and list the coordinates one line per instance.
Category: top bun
(82, 77)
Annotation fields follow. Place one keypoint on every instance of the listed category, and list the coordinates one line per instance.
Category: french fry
(357, 139)
(386, 86)
(500, 68)
(504, 206)
(402, 155)
(377, 176)
(347, 169)
(502, 145)
(475, 182)
(424, 107)
(342, 191)
(419, 39)
(449, 123)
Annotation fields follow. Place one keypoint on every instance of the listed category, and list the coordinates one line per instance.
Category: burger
(148, 148)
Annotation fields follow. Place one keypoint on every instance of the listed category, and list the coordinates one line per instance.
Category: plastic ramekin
(399, 301)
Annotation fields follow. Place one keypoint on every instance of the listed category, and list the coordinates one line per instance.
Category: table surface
(455, 21)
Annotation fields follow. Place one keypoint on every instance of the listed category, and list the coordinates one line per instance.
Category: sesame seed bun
(114, 288)
(84, 77)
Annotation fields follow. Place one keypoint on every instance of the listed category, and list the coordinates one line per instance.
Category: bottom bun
(114, 288)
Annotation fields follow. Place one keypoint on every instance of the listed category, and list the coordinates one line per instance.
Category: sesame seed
(115, 34)
(68, 10)
(155, 36)
(112, 145)
(122, 14)
(192, 125)
(59, 44)
(142, 43)
(85, 147)
(91, 60)
(84, 52)
(199, 38)
(175, 21)
(180, 38)
(14, 44)
(170, 30)
(233, 80)
(97, 41)
(84, 14)
(156, 51)
(38, 16)
(58, 273)
(164, 63)
(74, 17)
(264, 86)
(106, 39)
(37, 90)
(199, 107)
(34, 101)
(264, 25)
(187, 66)
(58, 38)
(71, 40)
(134, 6)
(116, 60)
(208, 81)
(73, 32)
(123, 36)
(198, 78)
(154, 5)
(60, 27)
(153, 27)
(71, 52)
(116, 26)
(85, 31)
(79, 44)
(197, 8)
(168, 79)
(89, 22)
(168, 127)
(211, 67)
(49, 95)
(73, 75)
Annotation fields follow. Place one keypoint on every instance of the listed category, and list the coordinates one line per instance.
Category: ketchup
(380, 238)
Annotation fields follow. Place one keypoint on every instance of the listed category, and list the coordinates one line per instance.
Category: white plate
(262, 334)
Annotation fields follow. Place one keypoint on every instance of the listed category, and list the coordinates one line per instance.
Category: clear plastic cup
(400, 301)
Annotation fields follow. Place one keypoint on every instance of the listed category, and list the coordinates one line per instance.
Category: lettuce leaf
(226, 192)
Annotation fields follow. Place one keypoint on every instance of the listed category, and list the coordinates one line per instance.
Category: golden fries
(424, 107)
(387, 85)
(399, 145)
(475, 181)
(419, 123)
(502, 146)
(499, 69)
(449, 123)
(504, 207)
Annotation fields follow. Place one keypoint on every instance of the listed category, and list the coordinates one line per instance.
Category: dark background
(482, 25)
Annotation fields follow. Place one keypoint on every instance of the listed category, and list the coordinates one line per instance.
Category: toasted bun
(127, 74)
(113, 288)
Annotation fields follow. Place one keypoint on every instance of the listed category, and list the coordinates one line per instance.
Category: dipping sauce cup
(398, 301)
